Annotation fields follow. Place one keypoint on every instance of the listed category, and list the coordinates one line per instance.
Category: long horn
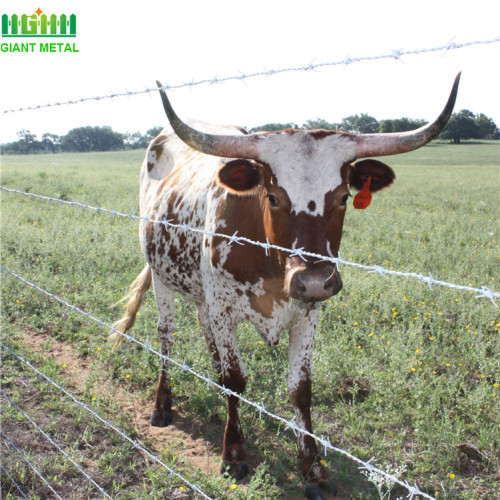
(230, 146)
(402, 142)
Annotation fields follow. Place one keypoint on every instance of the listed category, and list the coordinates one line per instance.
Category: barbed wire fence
(135, 443)
(53, 443)
(11, 444)
(260, 408)
(396, 54)
(482, 292)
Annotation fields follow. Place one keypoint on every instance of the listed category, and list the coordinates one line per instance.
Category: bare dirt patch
(195, 444)
(181, 434)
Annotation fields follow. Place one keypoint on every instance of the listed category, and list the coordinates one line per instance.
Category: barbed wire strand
(66, 455)
(393, 54)
(483, 292)
(289, 424)
(429, 280)
(23, 456)
(13, 481)
(135, 443)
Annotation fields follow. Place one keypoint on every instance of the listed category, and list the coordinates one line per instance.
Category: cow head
(302, 179)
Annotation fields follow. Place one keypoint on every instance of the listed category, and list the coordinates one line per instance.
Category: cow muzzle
(311, 282)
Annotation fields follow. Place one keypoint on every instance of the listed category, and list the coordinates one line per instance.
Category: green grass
(402, 373)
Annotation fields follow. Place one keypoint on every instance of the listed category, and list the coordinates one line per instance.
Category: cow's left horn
(402, 142)
(230, 146)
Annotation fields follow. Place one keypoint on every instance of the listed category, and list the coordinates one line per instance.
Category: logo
(38, 25)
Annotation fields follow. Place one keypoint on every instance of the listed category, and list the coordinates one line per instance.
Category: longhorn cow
(289, 188)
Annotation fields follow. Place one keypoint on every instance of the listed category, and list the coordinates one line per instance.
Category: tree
(51, 141)
(319, 123)
(135, 140)
(11, 148)
(461, 125)
(487, 127)
(85, 139)
(272, 127)
(360, 124)
(27, 142)
(151, 134)
(400, 125)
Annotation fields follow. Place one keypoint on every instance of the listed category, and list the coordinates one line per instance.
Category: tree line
(461, 126)
(79, 140)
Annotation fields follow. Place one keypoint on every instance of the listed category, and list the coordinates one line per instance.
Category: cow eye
(344, 199)
(273, 200)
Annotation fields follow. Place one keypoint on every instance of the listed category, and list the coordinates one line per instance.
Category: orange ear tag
(364, 197)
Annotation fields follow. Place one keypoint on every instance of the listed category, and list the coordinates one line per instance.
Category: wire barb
(393, 54)
(51, 441)
(35, 470)
(135, 443)
(289, 424)
(300, 252)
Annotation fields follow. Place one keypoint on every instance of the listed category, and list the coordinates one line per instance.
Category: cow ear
(240, 177)
(381, 175)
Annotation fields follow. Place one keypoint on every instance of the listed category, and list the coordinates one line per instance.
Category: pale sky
(129, 45)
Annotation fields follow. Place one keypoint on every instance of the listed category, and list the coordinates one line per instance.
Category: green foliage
(86, 139)
(487, 127)
(359, 124)
(81, 139)
(402, 373)
(462, 125)
(319, 123)
(271, 127)
(467, 125)
(400, 125)
(27, 143)
(51, 142)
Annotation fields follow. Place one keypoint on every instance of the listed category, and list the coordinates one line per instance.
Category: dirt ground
(184, 438)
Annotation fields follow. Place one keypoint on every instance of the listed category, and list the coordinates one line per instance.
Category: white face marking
(305, 167)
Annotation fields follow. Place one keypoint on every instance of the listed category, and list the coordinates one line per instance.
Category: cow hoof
(313, 491)
(238, 471)
(329, 487)
(242, 471)
(161, 419)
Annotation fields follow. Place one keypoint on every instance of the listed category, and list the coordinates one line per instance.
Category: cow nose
(315, 285)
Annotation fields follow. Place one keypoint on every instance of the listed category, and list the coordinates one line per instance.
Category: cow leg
(299, 389)
(233, 453)
(162, 408)
(207, 332)
(234, 377)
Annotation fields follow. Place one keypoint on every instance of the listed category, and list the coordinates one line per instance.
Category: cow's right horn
(402, 142)
(229, 146)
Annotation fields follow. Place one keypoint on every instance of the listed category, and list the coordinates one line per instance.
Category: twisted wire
(483, 292)
(13, 481)
(35, 470)
(348, 60)
(46, 436)
(289, 424)
(135, 443)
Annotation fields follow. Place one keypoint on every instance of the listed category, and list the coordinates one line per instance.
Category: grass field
(404, 374)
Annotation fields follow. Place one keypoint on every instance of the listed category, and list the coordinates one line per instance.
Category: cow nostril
(301, 283)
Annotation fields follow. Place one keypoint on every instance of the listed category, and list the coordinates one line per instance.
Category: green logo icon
(39, 25)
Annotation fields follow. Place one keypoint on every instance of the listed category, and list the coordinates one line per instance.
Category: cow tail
(134, 299)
